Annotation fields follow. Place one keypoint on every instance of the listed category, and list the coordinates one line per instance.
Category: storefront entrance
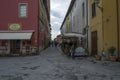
(15, 46)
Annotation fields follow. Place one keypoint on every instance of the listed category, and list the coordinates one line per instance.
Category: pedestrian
(52, 43)
(55, 43)
(60, 42)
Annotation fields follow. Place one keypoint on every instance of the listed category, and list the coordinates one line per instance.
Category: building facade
(22, 30)
(104, 26)
(44, 23)
(96, 40)
(76, 20)
(118, 22)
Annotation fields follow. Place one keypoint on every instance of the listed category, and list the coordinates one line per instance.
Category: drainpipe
(38, 30)
(102, 26)
(117, 7)
(87, 22)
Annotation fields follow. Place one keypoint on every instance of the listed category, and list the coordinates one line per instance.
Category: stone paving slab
(52, 64)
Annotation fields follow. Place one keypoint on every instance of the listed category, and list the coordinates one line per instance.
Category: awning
(15, 35)
(73, 35)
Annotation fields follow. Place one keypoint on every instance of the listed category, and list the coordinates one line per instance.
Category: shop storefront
(16, 43)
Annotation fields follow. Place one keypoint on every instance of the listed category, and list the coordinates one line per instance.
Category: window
(93, 10)
(28, 42)
(75, 4)
(3, 43)
(23, 10)
(83, 9)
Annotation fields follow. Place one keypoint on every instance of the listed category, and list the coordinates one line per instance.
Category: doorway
(94, 43)
(15, 46)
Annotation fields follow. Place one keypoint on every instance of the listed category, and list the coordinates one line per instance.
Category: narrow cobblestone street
(51, 64)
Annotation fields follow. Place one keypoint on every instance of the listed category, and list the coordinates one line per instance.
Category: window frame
(83, 9)
(19, 10)
(93, 10)
(3, 43)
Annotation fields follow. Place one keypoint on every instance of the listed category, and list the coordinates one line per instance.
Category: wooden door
(94, 43)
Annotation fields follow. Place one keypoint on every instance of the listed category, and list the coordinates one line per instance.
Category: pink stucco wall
(9, 14)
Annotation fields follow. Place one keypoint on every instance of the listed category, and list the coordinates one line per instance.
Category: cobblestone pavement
(51, 64)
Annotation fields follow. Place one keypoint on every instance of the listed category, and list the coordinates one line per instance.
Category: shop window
(29, 42)
(28, 46)
(23, 43)
(3, 43)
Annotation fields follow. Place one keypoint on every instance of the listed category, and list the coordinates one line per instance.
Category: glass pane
(23, 10)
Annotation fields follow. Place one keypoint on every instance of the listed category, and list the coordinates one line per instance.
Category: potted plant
(111, 50)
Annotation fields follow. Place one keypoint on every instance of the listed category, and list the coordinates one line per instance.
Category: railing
(3, 51)
(29, 51)
(23, 51)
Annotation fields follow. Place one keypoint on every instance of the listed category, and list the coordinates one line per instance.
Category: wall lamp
(97, 4)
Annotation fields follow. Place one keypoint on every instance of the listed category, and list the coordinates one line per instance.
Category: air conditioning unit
(97, 1)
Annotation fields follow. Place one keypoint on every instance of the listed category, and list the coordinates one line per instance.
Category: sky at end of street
(58, 12)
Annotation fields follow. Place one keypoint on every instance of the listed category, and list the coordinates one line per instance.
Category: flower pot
(113, 58)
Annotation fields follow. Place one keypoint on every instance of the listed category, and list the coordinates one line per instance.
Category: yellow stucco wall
(96, 25)
(119, 23)
(110, 24)
(105, 23)
(67, 24)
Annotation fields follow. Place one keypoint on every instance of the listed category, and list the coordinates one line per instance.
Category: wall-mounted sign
(14, 27)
